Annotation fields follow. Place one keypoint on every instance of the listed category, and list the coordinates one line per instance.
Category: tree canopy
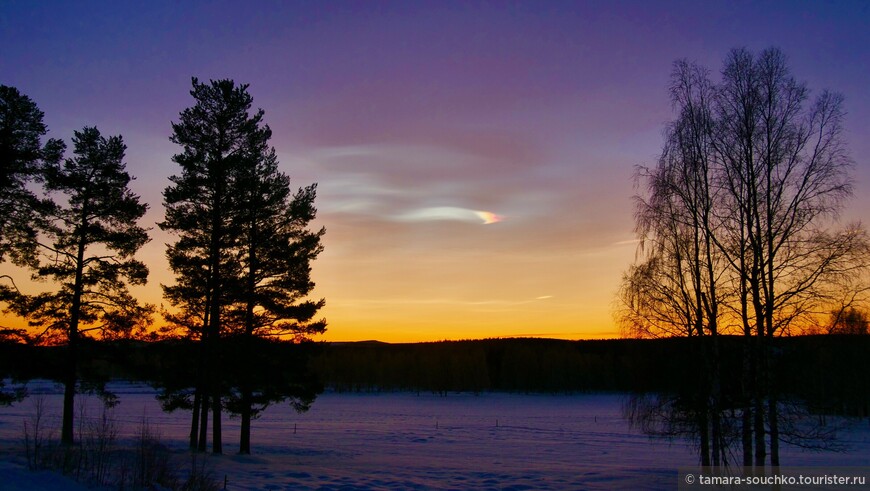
(22, 157)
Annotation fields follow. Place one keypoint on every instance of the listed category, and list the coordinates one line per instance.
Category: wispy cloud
(450, 213)
(412, 183)
(626, 242)
(361, 302)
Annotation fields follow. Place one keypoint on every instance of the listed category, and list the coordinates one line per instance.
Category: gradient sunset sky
(474, 159)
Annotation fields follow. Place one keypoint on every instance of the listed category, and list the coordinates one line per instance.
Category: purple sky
(413, 116)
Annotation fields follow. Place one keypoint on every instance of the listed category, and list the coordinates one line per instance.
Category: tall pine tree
(90, 240)
(214, 135)
(242, 256)
(275, 251)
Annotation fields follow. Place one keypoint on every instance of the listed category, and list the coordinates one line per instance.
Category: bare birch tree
(742, 213)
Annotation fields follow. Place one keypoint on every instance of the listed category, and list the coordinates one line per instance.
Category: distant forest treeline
(828, 372)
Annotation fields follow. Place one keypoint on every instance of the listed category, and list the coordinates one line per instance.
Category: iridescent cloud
(450, 213)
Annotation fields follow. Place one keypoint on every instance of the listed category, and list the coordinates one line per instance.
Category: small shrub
(151, 463)
(37, 438)
(98, 444)
(99, 460)
(200, 478)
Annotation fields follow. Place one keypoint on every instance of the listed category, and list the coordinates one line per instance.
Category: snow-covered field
(409, 441)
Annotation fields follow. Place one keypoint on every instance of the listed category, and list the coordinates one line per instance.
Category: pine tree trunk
(203, 423)
(69, 389)
(245, 430)
(69, 392)
(213, 382)
(200, 398)
(194, 424)
(247, 392)
(214, 320)
(214, 378)
(216, 443)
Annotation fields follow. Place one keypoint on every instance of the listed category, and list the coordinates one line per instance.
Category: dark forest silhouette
(825, 373)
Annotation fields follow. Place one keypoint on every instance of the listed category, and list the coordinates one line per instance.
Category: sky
(474, 160)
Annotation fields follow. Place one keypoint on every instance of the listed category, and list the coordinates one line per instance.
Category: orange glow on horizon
(401, 295)
(349, 330)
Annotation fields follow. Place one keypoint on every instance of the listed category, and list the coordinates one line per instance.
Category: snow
(409, 441)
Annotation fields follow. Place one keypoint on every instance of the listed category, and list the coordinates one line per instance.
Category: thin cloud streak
(626, 242)
(361, 302)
